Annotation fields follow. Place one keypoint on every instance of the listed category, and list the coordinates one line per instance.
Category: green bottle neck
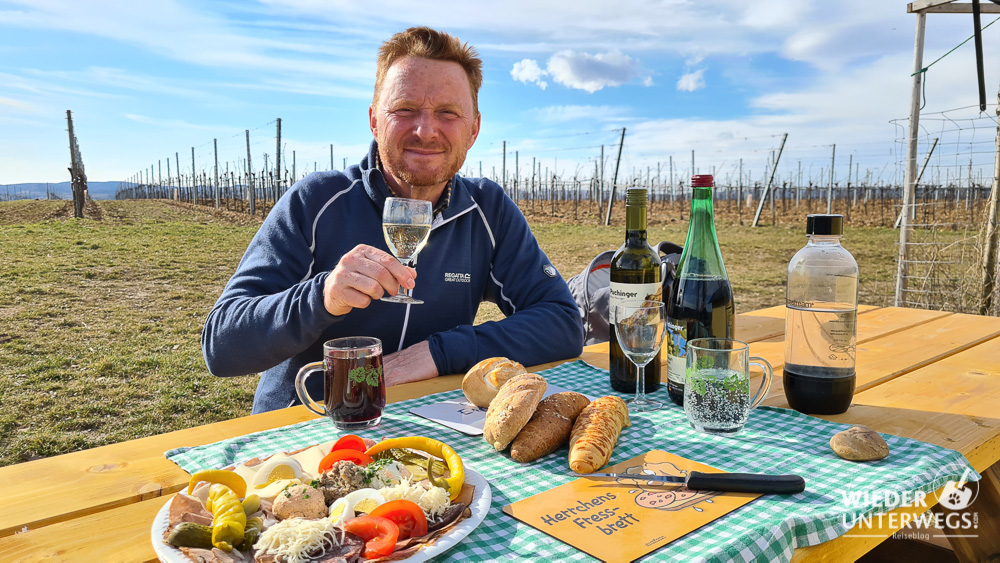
(635, 225)
(701, 255)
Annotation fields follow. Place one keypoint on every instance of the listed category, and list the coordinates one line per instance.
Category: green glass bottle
(701, 299)
(636, 276)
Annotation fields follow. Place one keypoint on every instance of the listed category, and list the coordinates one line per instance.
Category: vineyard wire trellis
(947, 261)
(948, 266)
(802, 184)
(13, 192)
(78, 176)
(235, 179)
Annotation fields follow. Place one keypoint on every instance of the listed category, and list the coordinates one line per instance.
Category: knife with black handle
(727, 482)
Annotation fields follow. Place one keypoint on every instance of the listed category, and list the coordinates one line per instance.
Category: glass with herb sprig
(717, 384)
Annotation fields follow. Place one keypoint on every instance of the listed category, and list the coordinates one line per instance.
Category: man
(319, 264)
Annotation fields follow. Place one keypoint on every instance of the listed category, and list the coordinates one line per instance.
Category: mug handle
(300, 386)
(765, 385)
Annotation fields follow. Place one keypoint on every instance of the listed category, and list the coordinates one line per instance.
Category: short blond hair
(428, 43)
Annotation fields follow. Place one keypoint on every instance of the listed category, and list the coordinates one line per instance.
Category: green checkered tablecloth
(774, 441)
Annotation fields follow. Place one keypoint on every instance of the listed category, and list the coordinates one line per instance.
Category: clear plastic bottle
(821, 321)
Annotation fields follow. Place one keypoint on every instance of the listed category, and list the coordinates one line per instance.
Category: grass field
(100, 318)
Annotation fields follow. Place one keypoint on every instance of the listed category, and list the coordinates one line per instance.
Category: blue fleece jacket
(271, 319)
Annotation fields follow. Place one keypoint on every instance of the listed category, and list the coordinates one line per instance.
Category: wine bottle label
(631, 295)
(676, 350)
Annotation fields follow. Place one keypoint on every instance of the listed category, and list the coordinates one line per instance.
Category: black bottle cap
(824, 224)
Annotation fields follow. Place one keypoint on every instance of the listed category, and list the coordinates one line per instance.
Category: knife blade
(727, 482)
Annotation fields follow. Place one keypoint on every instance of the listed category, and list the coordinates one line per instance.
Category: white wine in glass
(406, 224)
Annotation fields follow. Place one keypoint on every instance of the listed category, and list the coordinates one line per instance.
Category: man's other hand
(363, 274)
(410, 364)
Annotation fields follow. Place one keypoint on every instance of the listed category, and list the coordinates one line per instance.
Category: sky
(147, 81)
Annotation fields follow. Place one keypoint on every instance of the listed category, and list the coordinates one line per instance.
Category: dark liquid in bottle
(355, 389)
(829, 392)
(704, 306)
(624, 373)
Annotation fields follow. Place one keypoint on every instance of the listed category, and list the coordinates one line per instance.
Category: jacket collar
(377, 188)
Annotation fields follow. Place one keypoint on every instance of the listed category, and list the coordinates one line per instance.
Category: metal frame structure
(921, 8)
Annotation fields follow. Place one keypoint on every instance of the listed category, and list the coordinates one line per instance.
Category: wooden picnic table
(928, 375)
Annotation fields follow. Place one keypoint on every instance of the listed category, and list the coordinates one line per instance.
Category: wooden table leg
(985, 512)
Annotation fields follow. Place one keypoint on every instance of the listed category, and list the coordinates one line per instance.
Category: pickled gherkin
(413, 461)
(190, 534)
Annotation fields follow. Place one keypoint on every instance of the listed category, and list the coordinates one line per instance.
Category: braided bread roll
(595, 434)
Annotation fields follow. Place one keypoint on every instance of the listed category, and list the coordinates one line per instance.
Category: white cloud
(191, 34)
(694, 60)
(591, 73)
(569, 113)
(20, 106)
(582, 71)
(114, 78)
(773, 14)
(692, 81)
(824, 72)
(851, 109)
(528, 71)
(180, 123)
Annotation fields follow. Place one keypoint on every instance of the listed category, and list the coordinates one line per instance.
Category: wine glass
(406, 224)
(641, 328)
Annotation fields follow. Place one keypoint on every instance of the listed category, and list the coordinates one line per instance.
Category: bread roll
(483, 381)
(511, 409)
(595, 434)
(549, 427)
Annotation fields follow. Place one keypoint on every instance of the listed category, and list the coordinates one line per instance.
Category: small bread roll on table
(549, 427)
(485, 379)
(511, 409)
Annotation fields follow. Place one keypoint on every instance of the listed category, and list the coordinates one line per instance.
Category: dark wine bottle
(636, 276)
(701, 299)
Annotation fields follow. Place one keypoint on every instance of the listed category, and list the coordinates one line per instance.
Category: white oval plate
(481, 499)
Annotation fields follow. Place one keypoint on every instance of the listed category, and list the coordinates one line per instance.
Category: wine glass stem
(402, 292)
(640, 384)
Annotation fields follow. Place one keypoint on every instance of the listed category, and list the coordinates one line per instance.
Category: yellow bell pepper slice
(433, 447)
(230, 479)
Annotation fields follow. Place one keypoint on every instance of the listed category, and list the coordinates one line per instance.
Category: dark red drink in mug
(354, 382)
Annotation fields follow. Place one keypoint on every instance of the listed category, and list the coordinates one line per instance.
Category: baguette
(511, 409)
(484, 380)
(595, 434)
(549, 427)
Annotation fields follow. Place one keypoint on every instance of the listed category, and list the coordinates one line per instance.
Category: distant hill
(36, 190)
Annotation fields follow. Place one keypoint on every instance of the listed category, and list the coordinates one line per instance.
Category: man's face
(424, 123)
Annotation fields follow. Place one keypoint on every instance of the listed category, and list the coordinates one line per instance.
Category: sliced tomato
(380, 534)
(406, 515)
(350, 442)
(360, 458)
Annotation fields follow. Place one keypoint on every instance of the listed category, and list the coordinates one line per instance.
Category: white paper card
(461, 415)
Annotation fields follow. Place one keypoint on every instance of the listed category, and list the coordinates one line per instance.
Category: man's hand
(363, 274)
(411, 364)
